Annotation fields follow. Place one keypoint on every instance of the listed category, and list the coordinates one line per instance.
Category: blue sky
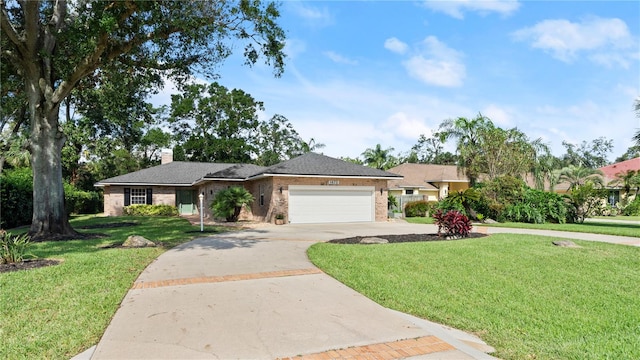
(361, 73)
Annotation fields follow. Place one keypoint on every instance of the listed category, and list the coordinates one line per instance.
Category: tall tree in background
(505, 152)
(112, 123)
(431, 151)
(379, 158)
(278, 141)
(215, 124)
(590, 155)
(54, 45)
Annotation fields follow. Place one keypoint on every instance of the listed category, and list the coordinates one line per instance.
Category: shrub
(82, 202)
(450, 204)
(150, 210)
(584, 201)
(536, 207)
(522, 212)
(229, 202)
(416, 208)
(633, 208)
(452, 224)
(13, 248)
(16, 197)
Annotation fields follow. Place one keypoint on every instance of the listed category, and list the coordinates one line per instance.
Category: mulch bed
(405, 238)
(27, 264)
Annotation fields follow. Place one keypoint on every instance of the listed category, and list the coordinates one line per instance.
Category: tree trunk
(50, 220)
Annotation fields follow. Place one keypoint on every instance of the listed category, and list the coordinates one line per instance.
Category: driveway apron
(254, 294)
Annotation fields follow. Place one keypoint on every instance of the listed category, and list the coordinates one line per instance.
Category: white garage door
(324, 204)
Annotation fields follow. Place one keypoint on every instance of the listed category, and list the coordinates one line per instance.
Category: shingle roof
(419, 175)
(312, 164)
(238, 171)
(173, 173)
(188, 173)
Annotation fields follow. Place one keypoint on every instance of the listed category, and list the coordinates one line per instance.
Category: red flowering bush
(452, 223)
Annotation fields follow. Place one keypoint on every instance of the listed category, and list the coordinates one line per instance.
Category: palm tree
(311, 145)
(378, 158)
(229, 202)
(577, 176)
(627, 180)
(467, 132)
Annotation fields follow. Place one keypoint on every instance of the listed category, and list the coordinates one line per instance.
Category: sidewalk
(255, 295)
(612, 239)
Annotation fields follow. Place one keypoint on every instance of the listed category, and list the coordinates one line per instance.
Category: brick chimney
(167, 157)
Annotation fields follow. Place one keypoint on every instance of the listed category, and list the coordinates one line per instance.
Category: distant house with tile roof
(427, 182)
(311, 188)
(613, 172)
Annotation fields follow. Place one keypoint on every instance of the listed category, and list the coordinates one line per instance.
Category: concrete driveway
(254, 294)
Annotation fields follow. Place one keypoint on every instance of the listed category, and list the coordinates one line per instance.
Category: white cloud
(436, 64)
(314, 16)
(337, 58)
(395, 45)
(498, 115)
(404, 125)
(605, 40)
(456, 8)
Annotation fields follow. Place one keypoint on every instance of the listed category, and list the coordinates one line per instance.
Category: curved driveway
(254, 294)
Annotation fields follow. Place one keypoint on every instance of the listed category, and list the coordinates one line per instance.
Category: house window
(135, 196)
(261, 190)
(614, 197)
(409, 192)
(138, 196)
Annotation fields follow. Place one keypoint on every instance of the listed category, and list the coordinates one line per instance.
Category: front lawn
(524, 296)
(58, 311)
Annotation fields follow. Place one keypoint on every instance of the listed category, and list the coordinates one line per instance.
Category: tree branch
(31, 26)
(10, 31)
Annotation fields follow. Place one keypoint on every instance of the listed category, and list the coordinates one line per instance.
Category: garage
(327, 204)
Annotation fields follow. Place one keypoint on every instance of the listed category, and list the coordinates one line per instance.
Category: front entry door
(186, 202)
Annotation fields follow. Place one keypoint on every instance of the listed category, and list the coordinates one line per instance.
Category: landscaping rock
(566, 243)
(489, 221)
(374, 240)
(136, 241)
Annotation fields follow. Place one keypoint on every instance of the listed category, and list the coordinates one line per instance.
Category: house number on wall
(333, 182)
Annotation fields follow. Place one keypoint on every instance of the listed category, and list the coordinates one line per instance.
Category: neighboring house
(311, 188)
(611, 173)
(426, 182)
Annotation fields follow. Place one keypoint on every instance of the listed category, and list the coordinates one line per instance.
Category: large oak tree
(53, 45)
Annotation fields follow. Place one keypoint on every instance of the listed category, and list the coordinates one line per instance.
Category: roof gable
(312, 164)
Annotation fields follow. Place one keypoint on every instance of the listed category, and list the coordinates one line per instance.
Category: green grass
(604, 228)
(59, 311)
(420, 220)
(522, 295)
(619, 217)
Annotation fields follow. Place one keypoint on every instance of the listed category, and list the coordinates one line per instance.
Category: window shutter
(149, 196)
(127, 196)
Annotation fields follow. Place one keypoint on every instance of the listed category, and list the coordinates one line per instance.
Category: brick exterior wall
(274, 201)
(279, 201)
(114, 197)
